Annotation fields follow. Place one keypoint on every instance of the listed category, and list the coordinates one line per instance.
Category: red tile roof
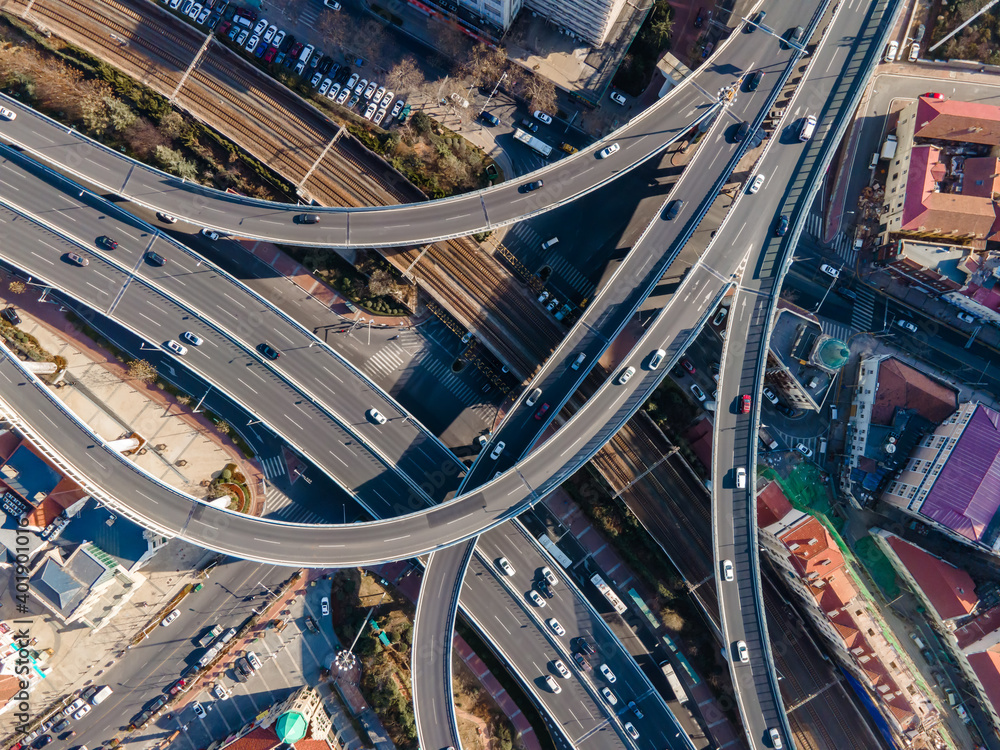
(902, 387)
(822, 556)
(9, 686)
(982, 176)
(772, 505)
(260, 738)
(986, 665)
(989, 298)
(982, 625)
(954, 120)
(699, 438)
(950, 590)
(945, 214)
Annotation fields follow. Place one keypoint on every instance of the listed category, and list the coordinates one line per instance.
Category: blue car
(261, 49)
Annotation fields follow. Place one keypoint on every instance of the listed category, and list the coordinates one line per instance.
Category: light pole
(492, 93)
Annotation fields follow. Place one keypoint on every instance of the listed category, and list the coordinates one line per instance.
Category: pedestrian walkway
(863, 310)
(272, 466)
(526, 244)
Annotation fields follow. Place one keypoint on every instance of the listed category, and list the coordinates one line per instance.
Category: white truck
(889, 147)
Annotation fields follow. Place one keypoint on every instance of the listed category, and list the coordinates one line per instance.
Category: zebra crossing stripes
(814, 225)
(844, 248)
(279, 506)
(837, 330)
(388, 359)
(273, 466)
(863, 310)
(309, 14)
(526, 234)
(447, 378)
(573, 277)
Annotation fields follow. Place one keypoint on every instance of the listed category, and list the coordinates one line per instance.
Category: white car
(830, 270)
(552, 684)
(261, 25)
(631, 730)
(170, 618)
(387, 98)
(533, 398)
(498, 450)
(770, 395)
(352, 81)
(176, 348)
(199, 710)
(741, 478)
(804, 449)
(727, 569)
(192, 338)
(542, 117)
(379, 116)
(194, 11)
(626, 374)
(361, 86)
(966, 317)
(324, 606)
(755, 185)
(220, 692)
(315, 81)
(84, 710)
(536, 598)
(911, 327)
(209, 234)
(742, 652)
(610, 697)
(333, 4)
(333, 91)
(73, 707)
(369, 111)
(561, 669)
(549, 576)
(505, 566)
(397, 108)
(325, 86)
(377, 416)
(698, 392)
(556, 627)
(604, 153)
(242, 37)
(269, 34)
(914, 52)
(254, 661)
(890, 51)
(370, 89)
(7, 114)
(775, 738)
(656, 359)
(203, 16)
(344, 93)
(617, 98)
(252, 43)
(378, 95)
(608, 674)
(720, 316)
(278, 39)
(166, 218)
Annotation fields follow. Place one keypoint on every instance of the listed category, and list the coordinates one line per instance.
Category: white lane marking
(108, 278)
(99, 166)
(155, 502)
(333, 375)
(97, 288)
(235, 301)
(290, 341)
(269, 541)
(9, 185)
(265, 221)
(337, 457)
(396, 538)
(452, 218)
(228, 312)
(458, 519)
(66, 216)
(330, 546)
(501, 624)
(42, 257)
(154, 322)
(299, 407)
(245, 383)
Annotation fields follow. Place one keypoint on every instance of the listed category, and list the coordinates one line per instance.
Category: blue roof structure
(29, 476)
(57, 586)
(121, 539)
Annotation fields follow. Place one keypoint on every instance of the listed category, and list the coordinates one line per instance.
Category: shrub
(174, 161)
(226, 475)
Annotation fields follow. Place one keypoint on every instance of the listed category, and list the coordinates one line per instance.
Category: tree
(404, 75)
(174, 161)
(334, 28)
(540, 93)
(120, 115)
(144, 137)
(485, 64)
(17, 287)
(223, 427)
(380, 283)
(141, 370)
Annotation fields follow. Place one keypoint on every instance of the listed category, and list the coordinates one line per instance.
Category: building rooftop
(61, 590)
(902, 387)
(949, 589)
(986, 665)
(772, 505)
(813, 549)
(259, 738)
(978, 628)
(966, 495)
(925, 209)
(943, 259)
(121, 538)
(954, 120)
(29, 475)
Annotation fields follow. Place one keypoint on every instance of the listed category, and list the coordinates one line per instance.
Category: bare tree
(540, 93)
(485, 64)
(334, 28)
(17, 287)
(141, 370)
(380, 283)
(405, 75)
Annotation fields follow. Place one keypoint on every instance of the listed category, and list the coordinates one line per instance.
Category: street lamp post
(492, 93)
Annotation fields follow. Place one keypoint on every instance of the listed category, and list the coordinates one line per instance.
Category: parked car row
(271, 45)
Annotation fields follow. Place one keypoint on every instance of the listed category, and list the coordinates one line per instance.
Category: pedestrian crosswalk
(579, 282)
(390, 358)
(814, 225)
(842, 245)
(280, 506)
(529, 251)
(273, 466)
(863, 309)
(308, 13)
(837, 330)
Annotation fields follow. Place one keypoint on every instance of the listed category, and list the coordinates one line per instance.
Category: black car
(155, 258)
(287, 43)
(529, 125)
(11, 316)
(743, 132)
(673, 209)
(44, 740)
(544, 589)
(325, 64)
(583, 645)
(157, 704)
(581, 661)
(243, 667)
(782, 227)
(268, 351)
(61, 726)
(107, 243)
(785, 409)
(757, 21)
(753, 80)
(189, 670)
(531, 186)
(307, 219)
(490, 119)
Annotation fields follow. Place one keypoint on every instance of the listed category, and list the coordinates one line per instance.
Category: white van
(808, 126)
(101, 695)
(549, 243)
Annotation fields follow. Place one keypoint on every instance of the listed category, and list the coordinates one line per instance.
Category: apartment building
(951, 478)
(301, 720)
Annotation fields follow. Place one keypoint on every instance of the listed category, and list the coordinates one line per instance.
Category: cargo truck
(889, 147)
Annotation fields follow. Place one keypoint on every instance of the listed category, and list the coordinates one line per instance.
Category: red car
(296, 49)
(223, 28)
(270, 54)
(932, 95)
(541, 411)
(745, 403)
(687, 365)
(177, 686)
